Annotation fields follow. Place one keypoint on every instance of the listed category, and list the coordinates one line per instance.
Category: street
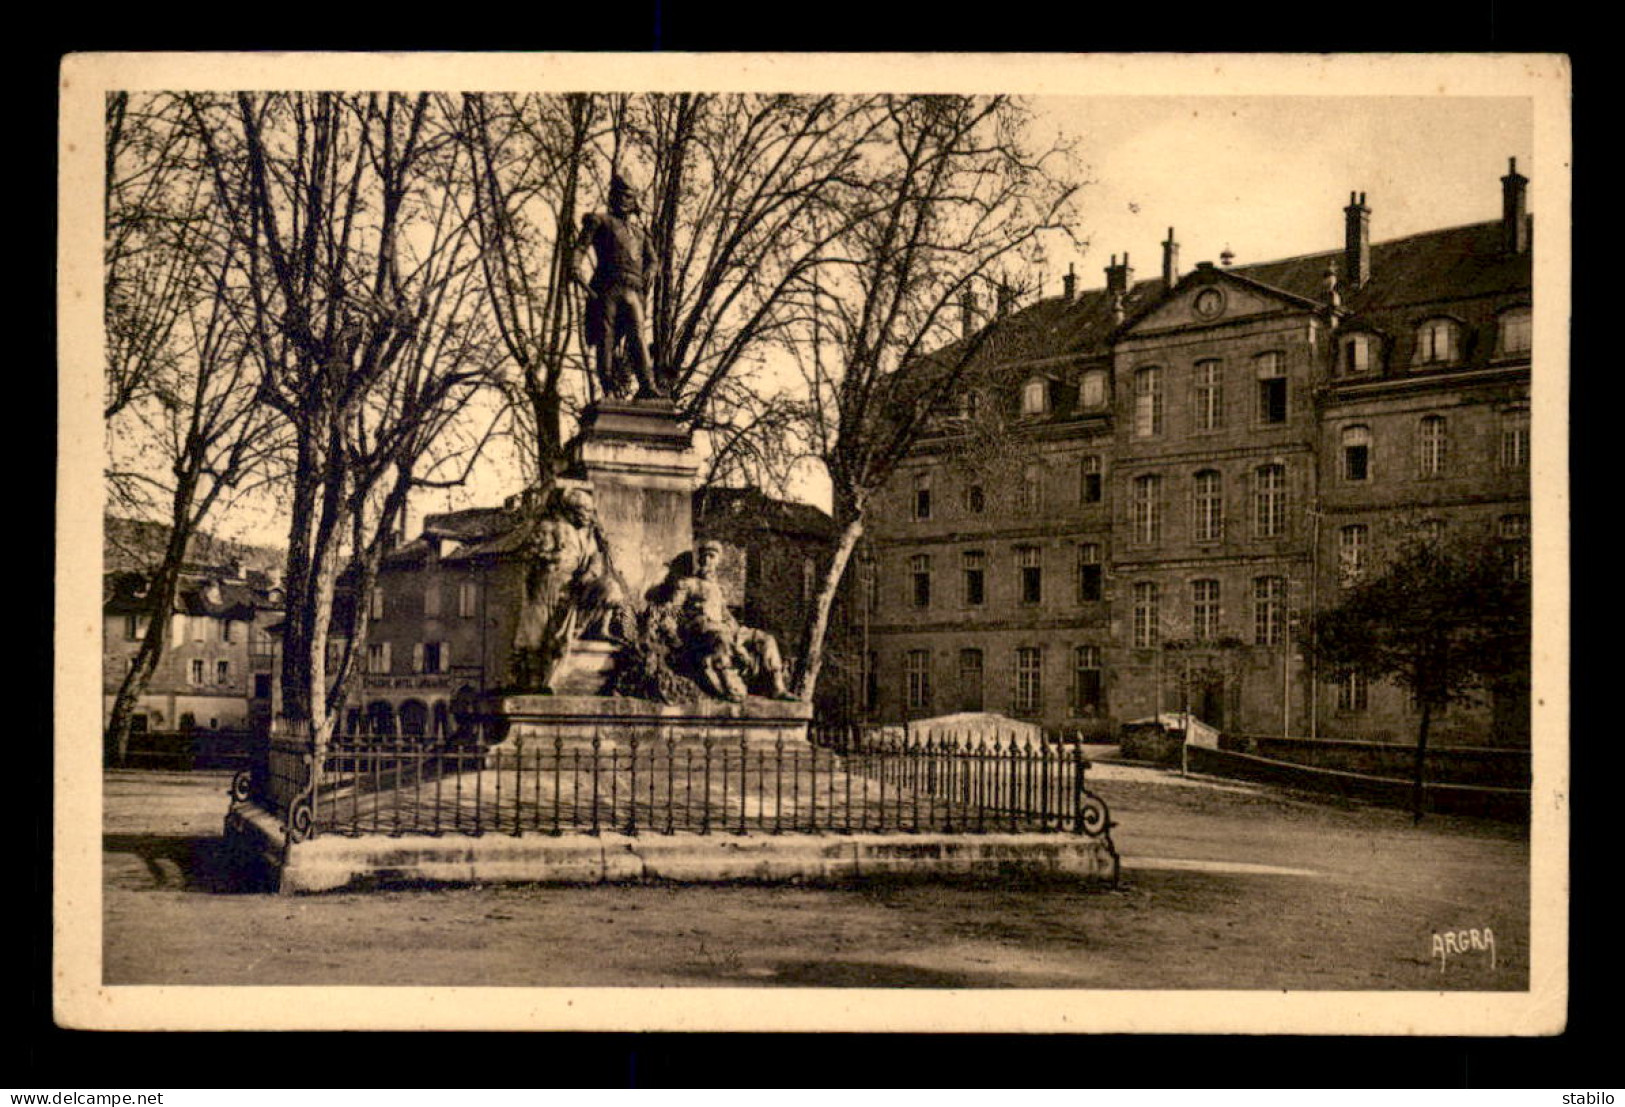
(1224, 886)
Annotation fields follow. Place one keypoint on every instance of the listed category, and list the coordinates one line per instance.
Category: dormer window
(1514, 332)
(1035, 397)
(1438, 342)
(1092, 389)
(1358, 355)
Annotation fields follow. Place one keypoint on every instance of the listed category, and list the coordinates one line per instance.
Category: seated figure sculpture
(571, 588)
(722, 653)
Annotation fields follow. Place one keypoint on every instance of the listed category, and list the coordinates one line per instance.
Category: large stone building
(1145, 487)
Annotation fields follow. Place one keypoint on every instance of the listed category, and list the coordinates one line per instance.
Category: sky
(1265, 176)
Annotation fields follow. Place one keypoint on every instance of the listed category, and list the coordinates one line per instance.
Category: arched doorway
(414, 719)
(381, 719)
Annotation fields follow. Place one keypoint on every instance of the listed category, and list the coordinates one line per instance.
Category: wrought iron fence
(395, 786)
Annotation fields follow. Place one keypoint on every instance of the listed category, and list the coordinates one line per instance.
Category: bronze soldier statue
(624, 266)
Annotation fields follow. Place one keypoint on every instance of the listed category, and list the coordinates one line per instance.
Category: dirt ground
(1224, 886)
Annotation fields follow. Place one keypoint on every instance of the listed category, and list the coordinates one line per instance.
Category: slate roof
(1459, 271)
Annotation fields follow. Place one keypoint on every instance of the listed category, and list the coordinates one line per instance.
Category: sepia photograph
(813, 542)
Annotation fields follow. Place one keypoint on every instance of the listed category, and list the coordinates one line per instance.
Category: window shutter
(387, 660)
(417, 657)
(445, 657)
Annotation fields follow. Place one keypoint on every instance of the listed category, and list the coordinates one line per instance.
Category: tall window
(1029, 568)
(1089, 573)
(1352, 543)
(1431, 444)
(431, 657)
(1032, 488)
(1271, 371)
(1356, 453)
(919, 567)
(1513, 333)
(1514, 532)
(1269, 501)
(970, 680)
(1514, 451)
(1092, 389)
(431, 599)
(222, 672)
(975, 500)
(466, 599)
(975, 577)
(1146, 508)
(1208, 507)
(1269, 610)
(135, 627)
(1204, 610)
(377, 606)
(1146, 630)
(1089, 479)
(1086, 680)
(917, 673)
(1353, 692)
(1207, 396)
(1029, 680)
(378, 657)
(197, 670)
(922, 496)
(1359, 355)
(1147, 402)
(227, 629)
(1436, 343)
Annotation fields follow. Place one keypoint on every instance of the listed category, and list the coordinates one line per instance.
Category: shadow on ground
(193, 863)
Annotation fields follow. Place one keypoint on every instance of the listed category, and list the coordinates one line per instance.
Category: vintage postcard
(813, 542)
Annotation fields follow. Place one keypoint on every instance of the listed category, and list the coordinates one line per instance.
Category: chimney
(1170, 261)
(1356, 242)
(967, 312)
(1069, 284)
(1514, 210)
(1119, 277)
(1007, 297)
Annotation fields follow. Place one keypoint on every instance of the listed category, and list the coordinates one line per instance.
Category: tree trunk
(161, 590)
(1419, 779)
(817, 625)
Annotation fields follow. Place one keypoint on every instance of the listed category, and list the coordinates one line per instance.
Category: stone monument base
(616, 721)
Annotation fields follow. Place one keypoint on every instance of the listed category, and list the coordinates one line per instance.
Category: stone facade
(216, 673)
(1180, 458)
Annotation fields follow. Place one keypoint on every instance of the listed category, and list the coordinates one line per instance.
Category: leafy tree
(1442, 621)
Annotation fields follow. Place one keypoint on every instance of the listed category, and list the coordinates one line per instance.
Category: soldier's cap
(620, 185)
(708, 544)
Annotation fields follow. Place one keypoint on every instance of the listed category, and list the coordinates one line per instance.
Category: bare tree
(183, 429)
(951, 193)
(363, 285)
(532, 156)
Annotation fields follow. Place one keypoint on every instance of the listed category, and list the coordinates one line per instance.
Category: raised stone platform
(615, 721)
(332, 862)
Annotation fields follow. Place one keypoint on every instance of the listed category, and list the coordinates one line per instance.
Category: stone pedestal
(640, 461)
(756, 723)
